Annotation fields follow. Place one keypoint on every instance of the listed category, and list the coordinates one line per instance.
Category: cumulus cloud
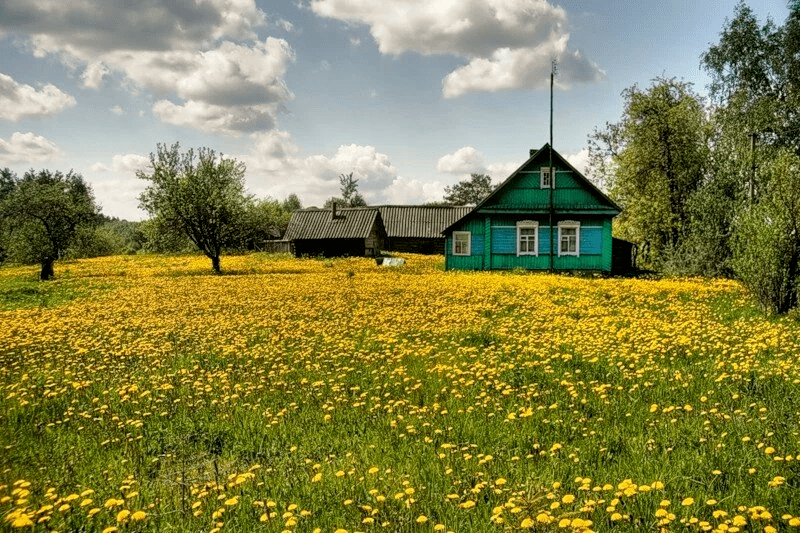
(228, 120)
(27, 148)
(199, 58)
(93, 75)
(579, 160)
(116, 186)
(123, 164)
(19, 100)
(495, 36)
(468, 160)
(521, 68)
(274, 168)
(464, 160)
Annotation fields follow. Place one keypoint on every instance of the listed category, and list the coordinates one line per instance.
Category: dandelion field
(141, 393)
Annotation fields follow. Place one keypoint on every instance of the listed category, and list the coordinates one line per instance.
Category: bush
(765, 256)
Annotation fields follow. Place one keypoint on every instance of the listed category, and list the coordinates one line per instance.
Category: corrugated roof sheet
(350, 223)
(419, 221)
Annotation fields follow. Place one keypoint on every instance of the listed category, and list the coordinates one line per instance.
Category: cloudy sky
(410, 95)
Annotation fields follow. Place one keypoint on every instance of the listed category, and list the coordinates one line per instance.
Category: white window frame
(542, 173)
(570, 224)
(460, 235)
(528, 224)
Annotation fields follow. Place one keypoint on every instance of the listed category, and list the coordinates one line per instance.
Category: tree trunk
(215, 264)
(47, 270)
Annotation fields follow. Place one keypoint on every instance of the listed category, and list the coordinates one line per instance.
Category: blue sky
(410, 95)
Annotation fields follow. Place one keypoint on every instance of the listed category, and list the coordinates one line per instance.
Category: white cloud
(521, 68)
(464, 160)
(285, 25)
(93, 75)
(493, 35)
(228, 120)
(580, 161)
(119, 196)
(275, 169)
(19, 100)
(117, 110)
(27, 148)
(406, 191)
(468, 160)
(500, 171)
(203, 58)
(116, 186)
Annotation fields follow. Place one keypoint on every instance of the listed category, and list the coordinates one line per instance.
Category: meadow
(142, 393)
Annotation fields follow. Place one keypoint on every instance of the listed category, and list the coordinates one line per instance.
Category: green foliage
(471, 191)
(767, 239)
(652, 161)
(263, 220)
(43, 214)
(758, 67)
(350, 195)
(198, 196)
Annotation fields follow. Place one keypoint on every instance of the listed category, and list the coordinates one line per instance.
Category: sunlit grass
(291, 395)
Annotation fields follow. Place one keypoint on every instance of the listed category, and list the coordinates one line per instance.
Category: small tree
(766, 243)
(43, 213)
(350, 195)
(471, 191)
(197, 195)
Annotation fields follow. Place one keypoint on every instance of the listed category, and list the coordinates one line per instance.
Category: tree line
(708, 186)
(196, 201)
(712, 187)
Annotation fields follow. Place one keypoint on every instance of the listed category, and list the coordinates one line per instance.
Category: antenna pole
(552, 173)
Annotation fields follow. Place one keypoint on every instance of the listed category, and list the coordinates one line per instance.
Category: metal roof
(350, 223)
(418, 221)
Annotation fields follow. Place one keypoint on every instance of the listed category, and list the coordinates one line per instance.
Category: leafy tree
(755, 73)
(471, 191)
(652, 161)
(291, 203)
(767, 238)
(197, 195)
(263, 220)
(44, 212)
(350, 195)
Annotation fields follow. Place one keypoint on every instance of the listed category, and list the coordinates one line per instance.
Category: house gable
(523, 190)
(514, 227)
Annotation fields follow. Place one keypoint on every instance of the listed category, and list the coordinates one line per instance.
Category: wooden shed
(356, 231)
(512, 227)
(418, 228)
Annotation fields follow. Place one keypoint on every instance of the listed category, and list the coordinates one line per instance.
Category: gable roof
(419, 221)
(350, 223)
(485, 205)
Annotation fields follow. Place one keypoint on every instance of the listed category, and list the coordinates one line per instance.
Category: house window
(527, 237)
(569, 238)
(547, 178)
(461, 242)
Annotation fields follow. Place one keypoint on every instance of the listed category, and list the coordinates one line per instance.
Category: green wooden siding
(494, 246)
(493, 223)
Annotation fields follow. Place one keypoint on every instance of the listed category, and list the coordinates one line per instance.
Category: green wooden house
(511, 228)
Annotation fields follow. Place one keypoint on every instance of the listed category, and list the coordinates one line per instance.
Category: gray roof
(350, 223)
(418, 221)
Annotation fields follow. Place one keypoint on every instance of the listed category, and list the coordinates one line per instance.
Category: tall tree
(348, 186)
(652, 161)
(43, 213)
(755, 74)
(471, 191)
(198, 195)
